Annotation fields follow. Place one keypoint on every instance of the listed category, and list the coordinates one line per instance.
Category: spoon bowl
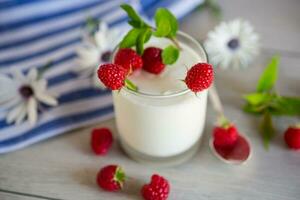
(238, 154)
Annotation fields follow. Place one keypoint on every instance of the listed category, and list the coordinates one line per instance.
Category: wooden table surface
(64, 167)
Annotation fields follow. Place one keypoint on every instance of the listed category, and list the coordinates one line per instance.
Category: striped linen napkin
(32, 32)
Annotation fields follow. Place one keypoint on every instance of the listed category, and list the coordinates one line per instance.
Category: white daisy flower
(97, 50)
(21, 94)
(233, 44)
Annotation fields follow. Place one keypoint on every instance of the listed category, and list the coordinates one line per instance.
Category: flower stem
(175, 42)
(44, 68)
(173, 39)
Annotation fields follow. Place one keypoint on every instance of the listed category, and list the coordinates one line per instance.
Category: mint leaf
(136, 24)
(257, 98)
(166, 23)
(130, 85)
(266, 129)
(136, 37)
(286, 106)
(130, 38)
(143, 37)
(269, 76)
(267, 103)
(174, 24)
(163, 26)
(213, 6)
(44, 68)
(135, 19)
(276, 105)
(253, 109)
(216, 10)
(167, 27)
(169, 55)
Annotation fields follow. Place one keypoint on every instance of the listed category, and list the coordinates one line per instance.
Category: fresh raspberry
(225, 136)
(128, 59)
(112, 76)
(292, 137)
(101, 140)
(199, 77)
(111, 178)
(152, 60)
(157, 189)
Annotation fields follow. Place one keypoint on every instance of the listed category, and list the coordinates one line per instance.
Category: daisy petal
(19, 76)
(90, 54)
(45, 98)
(114, 37)
(11, 103)
(101, 40)
(13, 114)
(21, 115)
(85, 73)
(8, 89)
(232, 44)
(32, 75)
(32, 110)
(88, 57)
(40, 85)
(97, 82)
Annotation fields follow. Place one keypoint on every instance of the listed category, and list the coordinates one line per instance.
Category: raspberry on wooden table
(157, 189)
(292, 137)
(101, 140)
(111, 178)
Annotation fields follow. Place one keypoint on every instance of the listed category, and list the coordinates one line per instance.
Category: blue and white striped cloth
(32, 32)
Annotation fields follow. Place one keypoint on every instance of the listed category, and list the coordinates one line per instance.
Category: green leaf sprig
(141, 32)
(91, 25)
(43, 69)
(213, 6)
(266, 102)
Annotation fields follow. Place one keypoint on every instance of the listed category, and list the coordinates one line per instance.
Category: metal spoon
(241, 151)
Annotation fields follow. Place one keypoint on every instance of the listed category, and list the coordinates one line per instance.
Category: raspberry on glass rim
(114, 77)
(199, 77)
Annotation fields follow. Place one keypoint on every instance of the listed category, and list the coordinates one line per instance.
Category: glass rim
(173, 94)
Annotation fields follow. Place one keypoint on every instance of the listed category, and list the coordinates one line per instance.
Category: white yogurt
(165, 125)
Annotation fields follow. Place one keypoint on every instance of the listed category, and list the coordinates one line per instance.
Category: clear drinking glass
(162, 129)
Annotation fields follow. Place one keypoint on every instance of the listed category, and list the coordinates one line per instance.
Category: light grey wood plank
(65, 168)
(277, 21)
(5, 196)
(9, 195)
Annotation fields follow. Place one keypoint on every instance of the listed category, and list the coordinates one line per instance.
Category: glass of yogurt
(162, 123)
